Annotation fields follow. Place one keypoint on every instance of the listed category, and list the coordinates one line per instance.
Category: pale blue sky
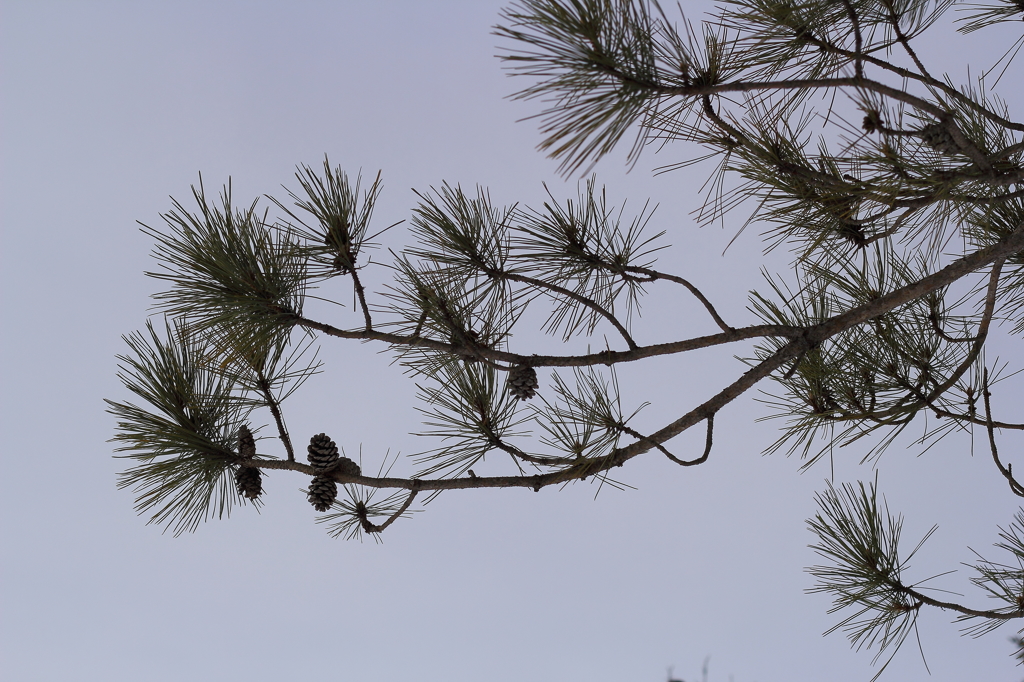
(108, 108)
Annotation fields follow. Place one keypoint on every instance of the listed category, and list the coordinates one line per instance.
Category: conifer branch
(863, 342)
(586, 360)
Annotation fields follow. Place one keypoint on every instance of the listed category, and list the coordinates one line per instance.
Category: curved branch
(905, 408)
(805, 338)
(616, 458)
(527, 457)
(1006, 471)
(693, 462)
(986, 320)
(655, 275)
(593, 305)
(368, 527)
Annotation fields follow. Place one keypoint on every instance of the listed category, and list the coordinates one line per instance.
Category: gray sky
(109, 107)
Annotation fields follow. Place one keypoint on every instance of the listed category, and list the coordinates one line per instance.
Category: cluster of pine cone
(248, 480)
(322, 454)
(938, 137)
(463, 351)
(935, 135)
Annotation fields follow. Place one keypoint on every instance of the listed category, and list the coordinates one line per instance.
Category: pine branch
(861, 542)
(183, 442)
(863, 343)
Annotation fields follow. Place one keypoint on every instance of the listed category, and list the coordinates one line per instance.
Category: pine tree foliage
(184, 442)
(861, 541)
(898, 192)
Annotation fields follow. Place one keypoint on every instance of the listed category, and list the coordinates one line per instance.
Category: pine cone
(323, 452)
(249, 482)
(522, 382)
(347, 467)
(323, 491)
(872, 122)
(938, 137)
(465, 351)
(246, 443)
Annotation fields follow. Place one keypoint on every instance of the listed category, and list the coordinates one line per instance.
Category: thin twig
(693, 462)
(1006, 471)
(894, 21)
(980, 336)
(858, 63)
(975, 613)
(527, 457)
(925, 79)
(934, 320)
(593, 305)
(361, 295)
(655, 275)
(275, 409)
(371, 528)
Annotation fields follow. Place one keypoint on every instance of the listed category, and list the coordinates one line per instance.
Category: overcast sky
(109, 108)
